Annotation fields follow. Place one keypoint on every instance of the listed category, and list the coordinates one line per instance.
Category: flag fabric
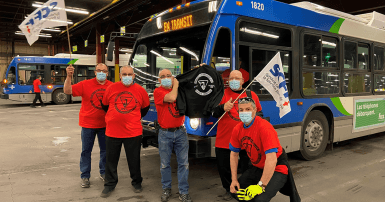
(273, 80)
(50, 14)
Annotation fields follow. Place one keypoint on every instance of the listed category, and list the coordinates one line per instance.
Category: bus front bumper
(199, 147)
(4, 96)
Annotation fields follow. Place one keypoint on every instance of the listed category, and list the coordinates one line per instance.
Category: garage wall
(21, 49)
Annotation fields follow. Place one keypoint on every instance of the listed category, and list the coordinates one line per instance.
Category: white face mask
(127, 80)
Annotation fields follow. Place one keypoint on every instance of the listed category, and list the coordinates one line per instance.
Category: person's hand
(234, 187)
(176, 83)
(30, 91)
(228, 105)
(43, 92)
(70, 71)
(250, 192)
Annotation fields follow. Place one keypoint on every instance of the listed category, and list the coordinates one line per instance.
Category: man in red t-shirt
(258, 137)
(172, 135)
(91, 118)
(126, 104)
(36, 89)
(225, 128)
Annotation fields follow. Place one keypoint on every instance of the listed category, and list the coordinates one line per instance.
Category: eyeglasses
(247, 99)
(164, 76)
(98, 71)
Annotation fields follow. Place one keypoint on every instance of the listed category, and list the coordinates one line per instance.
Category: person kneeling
(270, 172)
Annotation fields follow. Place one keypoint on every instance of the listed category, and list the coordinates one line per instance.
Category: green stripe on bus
(72, 62)
(336, 26)
(337, 103)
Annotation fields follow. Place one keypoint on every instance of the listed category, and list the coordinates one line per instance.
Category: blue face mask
(235, 84)
(246, 117)
(166, 82)
(101, 76)
(126, 80)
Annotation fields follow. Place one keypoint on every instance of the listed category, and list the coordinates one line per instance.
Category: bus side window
(11, 75)
(58, 74)
(28, 73)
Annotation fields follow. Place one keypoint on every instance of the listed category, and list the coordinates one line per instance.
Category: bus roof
(303, 14)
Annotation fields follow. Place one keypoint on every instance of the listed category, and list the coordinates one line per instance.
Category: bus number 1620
(257, 6)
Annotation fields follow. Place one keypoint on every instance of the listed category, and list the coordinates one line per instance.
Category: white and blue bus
(333, 63)
(22, 71)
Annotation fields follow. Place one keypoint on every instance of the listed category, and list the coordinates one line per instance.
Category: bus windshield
(177, 51)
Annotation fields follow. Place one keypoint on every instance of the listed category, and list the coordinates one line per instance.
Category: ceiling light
(52, 30)
(72, 10)
(244, 29)
(41, 35)
(189, 52)
(161, 56)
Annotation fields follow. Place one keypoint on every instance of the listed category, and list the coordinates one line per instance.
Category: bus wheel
(315, 135)
(59, 97)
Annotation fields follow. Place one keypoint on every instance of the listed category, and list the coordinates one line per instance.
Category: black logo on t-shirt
(173, 110)
(125, 102)
(251, 148)
(97, 98)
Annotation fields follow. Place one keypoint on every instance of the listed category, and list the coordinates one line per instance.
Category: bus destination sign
(179, 23)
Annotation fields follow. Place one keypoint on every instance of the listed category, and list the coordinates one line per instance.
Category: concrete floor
(40, 151)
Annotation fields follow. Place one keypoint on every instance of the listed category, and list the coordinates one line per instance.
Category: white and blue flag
(273, 80)
(50, 14)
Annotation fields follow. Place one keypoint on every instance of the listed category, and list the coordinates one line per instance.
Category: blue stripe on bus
(281, 12)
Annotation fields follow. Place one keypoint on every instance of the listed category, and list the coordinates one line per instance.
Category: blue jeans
(177, 140)
(88, 139)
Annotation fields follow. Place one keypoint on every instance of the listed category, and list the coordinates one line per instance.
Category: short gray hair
(247, 102)
(129, 66)
(101, 64)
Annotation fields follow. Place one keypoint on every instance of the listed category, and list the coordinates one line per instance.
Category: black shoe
(33, 106)
(185, 198)
(106, 192)
(227, 196)
(103, 177)
(138, 188)
(166, 194)
(85, 182)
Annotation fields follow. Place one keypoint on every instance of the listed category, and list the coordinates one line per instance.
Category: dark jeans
(37, 96)
(132, 147)
(223, 161)
(88, 138)
(253, 175)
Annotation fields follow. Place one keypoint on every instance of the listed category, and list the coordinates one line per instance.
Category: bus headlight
(194, 123)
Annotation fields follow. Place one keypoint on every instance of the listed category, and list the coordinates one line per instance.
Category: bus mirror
(110, 50)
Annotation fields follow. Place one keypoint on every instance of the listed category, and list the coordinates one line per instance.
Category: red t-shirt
(231, 118)
(168, 115)
(36, 84)
(91, 114)
(124, 112)
(226, 75)
(259, 137)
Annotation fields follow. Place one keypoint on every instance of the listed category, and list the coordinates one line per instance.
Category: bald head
(236, 75)
(127, 71)
(166, 74)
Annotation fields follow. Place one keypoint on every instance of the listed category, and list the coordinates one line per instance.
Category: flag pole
(233, 102)
(69, 43)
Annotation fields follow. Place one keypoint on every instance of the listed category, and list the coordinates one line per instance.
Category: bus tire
(315, 135)
(60, 98)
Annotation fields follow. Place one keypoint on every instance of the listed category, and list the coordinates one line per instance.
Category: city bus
(22, 71)
(333, 64)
